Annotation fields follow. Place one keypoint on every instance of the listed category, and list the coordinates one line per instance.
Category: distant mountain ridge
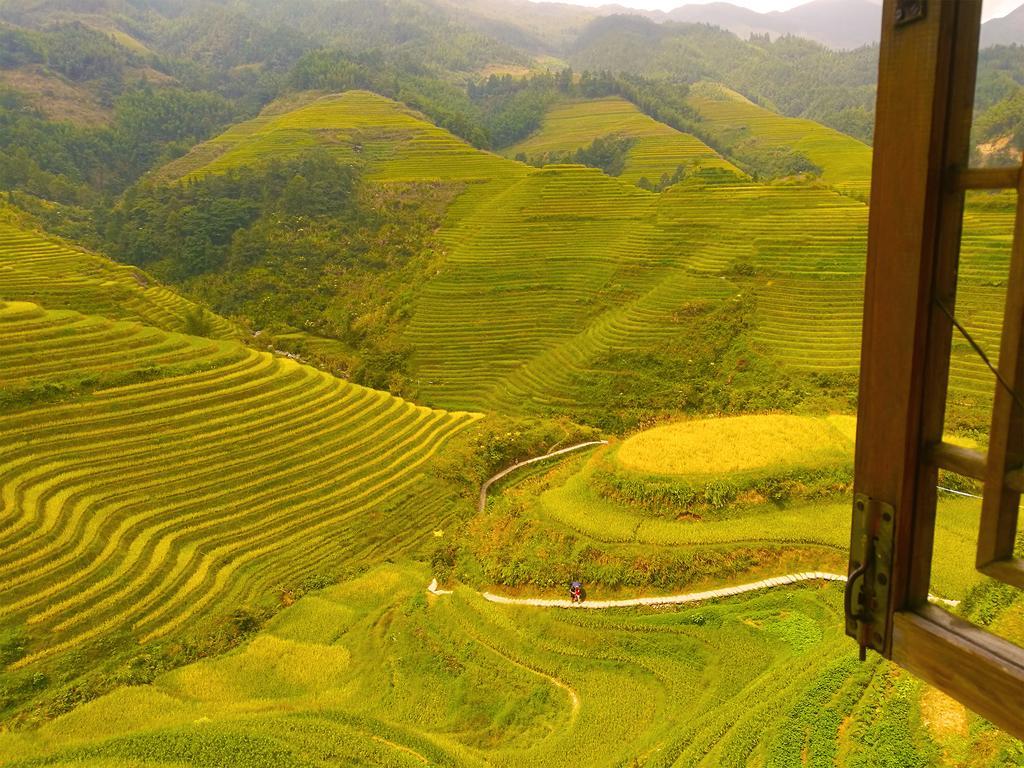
(838, 24)
(1005, 31)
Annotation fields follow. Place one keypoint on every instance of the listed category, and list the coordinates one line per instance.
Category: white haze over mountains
(991, 9)
(838, 24)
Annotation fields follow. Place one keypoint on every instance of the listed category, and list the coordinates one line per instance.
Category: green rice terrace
(564, 290)
(214, 553)
(656, 149)
(733, 119)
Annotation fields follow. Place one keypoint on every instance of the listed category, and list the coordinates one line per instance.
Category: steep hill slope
(393, 141)
(36, 268)
(153, 484)
(657, 149)
(551, 284)
(564, 291)
(747, 129)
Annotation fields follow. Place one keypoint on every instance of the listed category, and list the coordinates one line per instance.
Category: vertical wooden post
(922, 132)
(925, 96)
(998, 531)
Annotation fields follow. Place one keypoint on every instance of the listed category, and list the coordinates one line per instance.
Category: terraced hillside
(552, 286)
(524, 272)
(694, 505)
(150, 504)
(374, 672)
(734, 119)
(153, 483)
(395, 142)
(658, 148)
(46, 271)
(981, 295)
(49, 354)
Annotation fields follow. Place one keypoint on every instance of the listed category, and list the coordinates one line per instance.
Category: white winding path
(509, 470)
(688, 597)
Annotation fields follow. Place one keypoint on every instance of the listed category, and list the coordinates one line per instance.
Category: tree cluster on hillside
(288, 246)
(767, 163)
(605, 152)
(998, 129)
(181, 231)
(70, 164)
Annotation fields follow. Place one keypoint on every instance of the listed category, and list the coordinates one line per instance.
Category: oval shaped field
(707, 447)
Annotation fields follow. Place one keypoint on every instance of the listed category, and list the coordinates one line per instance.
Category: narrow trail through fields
(509, 470)
(687, 597)
(678, 599)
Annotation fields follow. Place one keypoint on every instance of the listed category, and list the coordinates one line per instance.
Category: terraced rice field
(981, 295)
(141, 511)
(524, 272)
(845, 162)
(150, 506)
(572, 499)
(45, 271)
(395, 142)
(739, 444)
(534, 294)
(658, 148)
(38, 346)
(807, 247)
(374, 672)
(550, 273)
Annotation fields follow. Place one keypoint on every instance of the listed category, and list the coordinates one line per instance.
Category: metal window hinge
(908, 11)
(870, 578)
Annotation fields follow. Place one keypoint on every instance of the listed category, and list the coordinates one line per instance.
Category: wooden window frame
(927, 68)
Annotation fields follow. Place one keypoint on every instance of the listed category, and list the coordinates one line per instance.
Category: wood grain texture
(984, 672)
(999, 508)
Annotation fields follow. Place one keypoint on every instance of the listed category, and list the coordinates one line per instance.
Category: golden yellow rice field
(739, 444)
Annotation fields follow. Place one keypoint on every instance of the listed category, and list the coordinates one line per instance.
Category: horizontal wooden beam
(988, 178)
(954, 458)
(969, 463)
(982, 671)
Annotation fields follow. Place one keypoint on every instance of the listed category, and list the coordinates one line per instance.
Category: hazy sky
(991, 8)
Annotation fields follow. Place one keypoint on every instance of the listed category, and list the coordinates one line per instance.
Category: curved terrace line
(678, 599)
(509, 470)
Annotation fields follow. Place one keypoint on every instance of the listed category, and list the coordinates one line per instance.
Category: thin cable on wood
(981, 353)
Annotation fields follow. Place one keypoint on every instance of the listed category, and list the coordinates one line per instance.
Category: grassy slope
(374, 672)
(151, 483)
(845, 162)
(659, 149)
(556, 284)
(397, 143)
(815, 531)
(43, 270)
